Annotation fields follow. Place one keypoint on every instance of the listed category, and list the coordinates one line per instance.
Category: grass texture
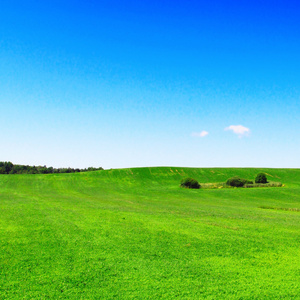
(135, 234)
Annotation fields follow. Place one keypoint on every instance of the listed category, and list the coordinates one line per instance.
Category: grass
(135, 234)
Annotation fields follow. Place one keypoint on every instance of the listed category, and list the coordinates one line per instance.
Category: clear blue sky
(150, 83)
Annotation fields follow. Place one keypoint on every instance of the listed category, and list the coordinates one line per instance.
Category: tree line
(8, 167)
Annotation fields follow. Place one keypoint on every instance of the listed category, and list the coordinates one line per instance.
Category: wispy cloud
(200, 134)
(239, 130)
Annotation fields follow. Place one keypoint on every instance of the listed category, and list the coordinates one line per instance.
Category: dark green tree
(190, 183)
(261, 178)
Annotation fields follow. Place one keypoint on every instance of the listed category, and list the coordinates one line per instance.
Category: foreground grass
(134, 234)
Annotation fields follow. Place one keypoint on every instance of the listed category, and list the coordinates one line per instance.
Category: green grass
(135, 234)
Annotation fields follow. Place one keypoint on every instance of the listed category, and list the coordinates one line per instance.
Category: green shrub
(236, 181)
(261, 178)
(190, 183)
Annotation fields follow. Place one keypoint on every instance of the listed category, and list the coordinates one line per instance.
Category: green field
(135, 234)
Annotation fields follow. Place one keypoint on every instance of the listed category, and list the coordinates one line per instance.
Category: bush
(190, 183)
(237, 181)
(261, 178)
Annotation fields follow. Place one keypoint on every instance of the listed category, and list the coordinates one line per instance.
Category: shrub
(261, 178)
(190, 183)
(236, 181)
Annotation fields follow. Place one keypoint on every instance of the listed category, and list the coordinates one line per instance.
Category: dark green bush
(261, 178)
(190, 183)
(236, 181)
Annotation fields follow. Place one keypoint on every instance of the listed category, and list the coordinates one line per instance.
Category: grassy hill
(135, 234)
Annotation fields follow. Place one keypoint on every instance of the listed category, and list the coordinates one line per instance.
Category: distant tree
(50, 170)
(261, 178)
(190, 183)
(43, 170)
(10, 168)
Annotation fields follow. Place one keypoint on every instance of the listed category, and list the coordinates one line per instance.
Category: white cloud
(200, 134)
(239, 130)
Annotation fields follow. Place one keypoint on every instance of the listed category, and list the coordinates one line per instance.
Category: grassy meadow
(135, 234)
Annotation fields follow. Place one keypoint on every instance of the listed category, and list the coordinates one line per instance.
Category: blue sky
(150, 83)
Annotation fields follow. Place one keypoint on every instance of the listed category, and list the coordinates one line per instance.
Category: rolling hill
(135, 234)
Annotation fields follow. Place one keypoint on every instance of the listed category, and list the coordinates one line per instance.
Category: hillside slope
(135, 234)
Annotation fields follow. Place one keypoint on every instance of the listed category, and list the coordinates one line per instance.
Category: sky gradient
(150, 83)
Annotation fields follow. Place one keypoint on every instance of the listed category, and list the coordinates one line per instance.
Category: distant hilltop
(8, 167)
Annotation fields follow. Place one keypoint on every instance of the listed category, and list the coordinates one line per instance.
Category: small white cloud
(200, 134)
(239, 130)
